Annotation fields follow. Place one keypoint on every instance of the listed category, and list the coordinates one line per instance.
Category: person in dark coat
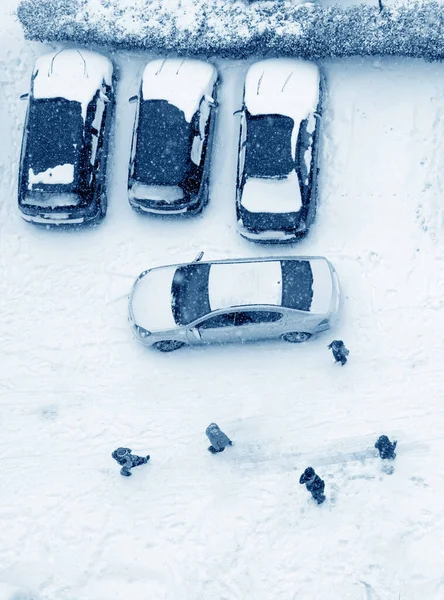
(339, 350)
(219, 441)
(127, 460)
(314, 484)
(386, 448)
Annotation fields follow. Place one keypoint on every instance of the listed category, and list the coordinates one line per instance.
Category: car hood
(151, 300)
(282, 86)
(182, 82)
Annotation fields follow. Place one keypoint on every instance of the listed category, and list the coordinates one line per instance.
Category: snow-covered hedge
(237, 29)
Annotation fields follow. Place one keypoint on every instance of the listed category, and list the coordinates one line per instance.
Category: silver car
(235, 300)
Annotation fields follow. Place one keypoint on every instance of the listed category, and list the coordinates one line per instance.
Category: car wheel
(168, 345)
(296, 337)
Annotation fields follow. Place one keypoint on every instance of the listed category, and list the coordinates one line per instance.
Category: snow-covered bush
(236, 29)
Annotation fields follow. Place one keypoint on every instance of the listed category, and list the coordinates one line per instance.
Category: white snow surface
(239, 284)
(282, 86)
(272, 195)
(72, 74)
(61, 174)
(182, 82)
(75, 385)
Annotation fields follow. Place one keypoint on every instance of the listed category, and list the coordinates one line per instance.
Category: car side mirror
(198, 257)
(133, 99)
(196, 333)
(24, 96)
(211, 101)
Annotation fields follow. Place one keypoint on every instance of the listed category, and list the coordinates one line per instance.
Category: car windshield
(55, 140)
(297, 284)
(189, 292)
(163, 144)
(268, 149)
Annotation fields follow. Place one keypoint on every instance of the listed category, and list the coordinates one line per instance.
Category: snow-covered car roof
(182, 82)
(282, 86)
(71, 74)
(233, 284)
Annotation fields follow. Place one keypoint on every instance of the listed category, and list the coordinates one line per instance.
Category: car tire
(296, 337)
(168, 345)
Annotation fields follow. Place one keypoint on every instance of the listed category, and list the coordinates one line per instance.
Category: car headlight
(141, 332)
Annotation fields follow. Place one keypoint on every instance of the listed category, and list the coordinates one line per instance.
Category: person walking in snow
(314, 484)
(386, 448)
(339, 350)
(219, 441)
(127, 460)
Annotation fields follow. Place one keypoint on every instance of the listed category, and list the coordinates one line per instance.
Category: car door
(259, 324)
(215, 329)
(239, 326)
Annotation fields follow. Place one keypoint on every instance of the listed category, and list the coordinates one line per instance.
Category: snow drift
(235, 29)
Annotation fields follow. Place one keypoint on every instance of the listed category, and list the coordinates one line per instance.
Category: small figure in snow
(219, 441)
(314, 484)
(127, 460)
(386, 448)
(339, 350)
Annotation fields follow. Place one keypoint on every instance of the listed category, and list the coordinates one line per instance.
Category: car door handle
(196, 333)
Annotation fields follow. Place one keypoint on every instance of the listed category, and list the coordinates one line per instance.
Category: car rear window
(163, 144)
(189, 293)
(297, 284)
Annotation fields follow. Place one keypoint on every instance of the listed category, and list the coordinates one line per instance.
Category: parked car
(173, 134)
(236, 300)
(62, 178)
(278, 150)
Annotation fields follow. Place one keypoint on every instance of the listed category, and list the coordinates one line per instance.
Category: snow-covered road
(74, 384)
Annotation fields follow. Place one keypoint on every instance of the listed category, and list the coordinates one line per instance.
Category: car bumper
(271, 236)
(165, 209)
(60, 219)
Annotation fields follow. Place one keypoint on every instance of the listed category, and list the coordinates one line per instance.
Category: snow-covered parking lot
(74, 384)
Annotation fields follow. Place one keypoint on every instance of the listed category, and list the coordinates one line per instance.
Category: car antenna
(160, 68)
(180, 66)
(259, 83)
(52, 61)
(286, 81)
(85, 71)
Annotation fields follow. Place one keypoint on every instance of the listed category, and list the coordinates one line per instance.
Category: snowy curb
(233, 29)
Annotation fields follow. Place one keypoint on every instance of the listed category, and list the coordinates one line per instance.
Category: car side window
(200, 131)
(97, 128)
(217, 321)
(257, 316)
(242, 146)
(305, 152)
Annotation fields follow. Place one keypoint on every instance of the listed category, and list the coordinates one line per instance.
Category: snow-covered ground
(74, 385)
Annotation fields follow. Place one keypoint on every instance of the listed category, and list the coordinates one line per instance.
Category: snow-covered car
(278, 149)
(173, 134)
(62, 179)
(237, 300)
